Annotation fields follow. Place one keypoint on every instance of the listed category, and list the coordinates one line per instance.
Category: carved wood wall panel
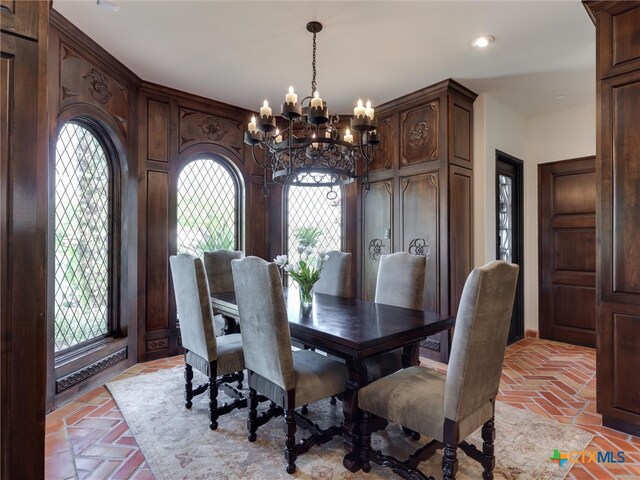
(158, 137)
(419, 133)
(460, 232)
(82, 82)
(461, 135)
(157, 229)
(626, 338)
(384, 157)
(625, 188)
(196, 127)
(625, 47)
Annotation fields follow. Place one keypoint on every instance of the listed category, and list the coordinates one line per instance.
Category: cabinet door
(419, 228)
(377, 215)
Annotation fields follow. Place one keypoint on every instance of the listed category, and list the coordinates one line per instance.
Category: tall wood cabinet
(618, 212)
(23, 218)
(420, 196)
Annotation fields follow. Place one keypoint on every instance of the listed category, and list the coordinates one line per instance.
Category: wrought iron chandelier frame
(309, 150)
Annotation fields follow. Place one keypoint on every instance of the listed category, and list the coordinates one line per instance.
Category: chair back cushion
(194, 305)
(335, 275)
(480, 338)
(401, 280)
(218, 267)
(263, 320)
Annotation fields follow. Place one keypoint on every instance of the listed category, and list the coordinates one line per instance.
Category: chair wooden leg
(488, 457)
(252, 424)
(450, 462)
(188, 385)
(240, 380)
(304, 410)
(333, 401)
(213, 403)
(290, 441)
(365, 428)
(411, 433)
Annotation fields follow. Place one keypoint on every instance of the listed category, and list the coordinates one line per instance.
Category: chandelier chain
(314, 86)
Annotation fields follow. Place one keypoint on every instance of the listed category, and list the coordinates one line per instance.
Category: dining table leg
(411, 355)
(352, 415)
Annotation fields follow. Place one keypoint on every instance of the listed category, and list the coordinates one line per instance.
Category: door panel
(419, 222)
(567, 200)
(377, 208)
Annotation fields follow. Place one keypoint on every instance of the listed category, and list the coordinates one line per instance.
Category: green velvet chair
(217, 264)
(447, 408)
(289, 379)
(335, 277)
(221, 359)
(400, 283)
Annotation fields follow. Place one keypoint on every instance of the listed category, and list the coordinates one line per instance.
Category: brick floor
(89, 439)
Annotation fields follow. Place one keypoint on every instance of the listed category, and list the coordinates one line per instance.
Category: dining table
(354, 330)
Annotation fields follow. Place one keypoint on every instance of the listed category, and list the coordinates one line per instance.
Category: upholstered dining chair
(217, 264)
(335, 275)
(289, 379)
(449, 407)
(400, 283)
(221, 359)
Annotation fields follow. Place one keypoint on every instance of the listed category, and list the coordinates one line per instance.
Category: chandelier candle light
(309, 150)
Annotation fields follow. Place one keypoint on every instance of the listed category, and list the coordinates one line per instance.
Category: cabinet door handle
(420, 247)
(375, 249)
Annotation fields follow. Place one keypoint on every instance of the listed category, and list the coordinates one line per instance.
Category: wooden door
(567, 251)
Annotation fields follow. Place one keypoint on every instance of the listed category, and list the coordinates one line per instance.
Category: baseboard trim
(531, 334)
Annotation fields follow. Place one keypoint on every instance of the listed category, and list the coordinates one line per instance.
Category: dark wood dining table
(353, 330)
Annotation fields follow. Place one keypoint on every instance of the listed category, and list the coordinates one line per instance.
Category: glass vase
(306, 296)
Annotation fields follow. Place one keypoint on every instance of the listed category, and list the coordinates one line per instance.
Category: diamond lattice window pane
(207, 208)
(82, 252)
(314, 219)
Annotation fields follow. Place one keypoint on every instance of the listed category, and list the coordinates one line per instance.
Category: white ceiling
(242, 52)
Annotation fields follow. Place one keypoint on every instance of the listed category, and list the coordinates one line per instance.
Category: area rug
(178, 444)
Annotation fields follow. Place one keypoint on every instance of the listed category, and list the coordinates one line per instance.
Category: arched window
(314, 219)
(83, 244)
(208, 207)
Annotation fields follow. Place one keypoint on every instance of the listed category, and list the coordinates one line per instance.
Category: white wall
(559, 136)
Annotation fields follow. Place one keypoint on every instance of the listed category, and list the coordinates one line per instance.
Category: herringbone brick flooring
(89, 439)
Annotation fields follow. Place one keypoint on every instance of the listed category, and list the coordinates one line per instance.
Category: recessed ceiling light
(107, 5)
(483, 41)
(560, 96)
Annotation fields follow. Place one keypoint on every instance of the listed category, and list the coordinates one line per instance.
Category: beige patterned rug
(178, 444)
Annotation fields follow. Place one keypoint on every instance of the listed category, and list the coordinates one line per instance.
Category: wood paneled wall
(86, 83)
(23, 224)
(420, 195)
(617, 212)
(175, 127)
(155, 131)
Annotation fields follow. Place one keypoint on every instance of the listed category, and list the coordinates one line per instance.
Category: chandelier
(305, 147)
